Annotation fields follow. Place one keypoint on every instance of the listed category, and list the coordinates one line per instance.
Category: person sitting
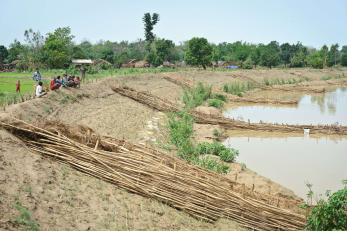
(39, 90)
(77, 82)
(64, 81)
(55, 83)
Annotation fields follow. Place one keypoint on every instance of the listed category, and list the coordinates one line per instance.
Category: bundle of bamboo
(164, 105)
(138, 169)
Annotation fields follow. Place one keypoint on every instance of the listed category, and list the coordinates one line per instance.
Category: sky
(313, 22)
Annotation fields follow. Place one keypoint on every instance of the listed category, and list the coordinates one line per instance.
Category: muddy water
(328, 108)
(293, 161)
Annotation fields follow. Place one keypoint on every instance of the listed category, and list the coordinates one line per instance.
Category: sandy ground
(60, 198)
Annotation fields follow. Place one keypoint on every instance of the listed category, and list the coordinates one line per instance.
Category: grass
(25, 218)
(8, 80)
(281, 81)
(238, 88)
(217, 103)
(218, 149)
(181, 131)
(196, 96)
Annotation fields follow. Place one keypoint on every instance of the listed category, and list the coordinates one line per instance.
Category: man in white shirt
(39, 90)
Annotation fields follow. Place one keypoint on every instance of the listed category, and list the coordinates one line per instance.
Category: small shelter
(81, 65)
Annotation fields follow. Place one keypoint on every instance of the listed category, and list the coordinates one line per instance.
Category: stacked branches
(147, 172)
(164, 105)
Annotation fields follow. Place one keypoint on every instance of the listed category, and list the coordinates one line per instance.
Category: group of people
(56, 83)
(66, 81)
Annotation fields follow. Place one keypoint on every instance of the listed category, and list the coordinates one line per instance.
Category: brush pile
(165, 105)
(147, 172)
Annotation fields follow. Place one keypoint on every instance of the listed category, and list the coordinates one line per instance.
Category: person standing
(18, 86)
(37, 75)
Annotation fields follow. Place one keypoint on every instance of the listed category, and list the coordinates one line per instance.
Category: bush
(196, 96)
(217, 149)
(211, 164)
(180, 131)
(215, 103)
(330, 214)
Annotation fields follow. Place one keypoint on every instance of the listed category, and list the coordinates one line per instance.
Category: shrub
(196, 96)
(180, 131)
(215, 103)
(211, 164)
(218, 149)
(330, 214)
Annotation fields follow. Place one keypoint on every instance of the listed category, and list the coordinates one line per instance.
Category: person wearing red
(18, 86)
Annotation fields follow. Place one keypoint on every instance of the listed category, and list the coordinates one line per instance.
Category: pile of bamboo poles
(141, 170)
(159, 104)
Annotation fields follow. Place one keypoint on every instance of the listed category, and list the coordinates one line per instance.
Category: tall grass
(238, 88)
(281, 81)
(196, 96)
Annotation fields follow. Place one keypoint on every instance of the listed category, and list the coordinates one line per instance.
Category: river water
(295, 161)
(328, 108)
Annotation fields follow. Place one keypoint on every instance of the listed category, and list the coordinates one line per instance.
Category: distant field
(8, 79)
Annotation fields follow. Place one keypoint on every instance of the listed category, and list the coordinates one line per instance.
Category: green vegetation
(218, 149)
(238, 88)
(281, 81)
(217, 103)
(196, 96)
(25, 218)
(329, 214)
(199, 52)
(180, 127)
(181, 131)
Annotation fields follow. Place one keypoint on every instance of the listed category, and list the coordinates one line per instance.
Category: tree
(333, 55)
(149, 21)
(199, 52)
(344, 56)
(32, 57)
(298, 60)
(286, 53)
(324, 52)
(161, 50)
(315, 59)
(270, 54)
(16, 49)
(255, 55)
(3, 54)
(58, 48)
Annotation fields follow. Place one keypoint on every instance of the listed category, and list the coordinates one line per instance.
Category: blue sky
(313, 22)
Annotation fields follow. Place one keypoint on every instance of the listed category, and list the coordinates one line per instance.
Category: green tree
(3, 54)
(344, 56)
(286, 53)
(255, 55)
(333, 55)
(161, 50)
(149, 22)
(199, 52)
(16, 49)
(32, 56)
(270, 54)
(324, 52)
(315, 59)
(298, 60)
(58, 48)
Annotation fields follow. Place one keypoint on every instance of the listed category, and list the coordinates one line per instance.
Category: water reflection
(293, 161)
(328, 108)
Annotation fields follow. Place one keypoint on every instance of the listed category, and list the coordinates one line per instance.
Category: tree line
(56, 50)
